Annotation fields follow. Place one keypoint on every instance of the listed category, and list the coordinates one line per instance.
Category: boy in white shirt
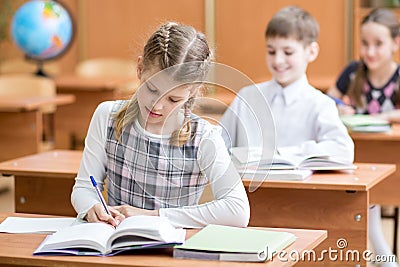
(305, 119)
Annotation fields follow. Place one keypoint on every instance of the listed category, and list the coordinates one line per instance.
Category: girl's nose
(371, 50)
(157, 104)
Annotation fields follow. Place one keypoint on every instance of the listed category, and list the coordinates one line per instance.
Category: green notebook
(226, 243)
(365, 123)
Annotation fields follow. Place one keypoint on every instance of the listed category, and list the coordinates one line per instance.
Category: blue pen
(337, 101)
(103, 202)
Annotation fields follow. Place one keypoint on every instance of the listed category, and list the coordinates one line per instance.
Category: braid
(164, 40)
(181, 136)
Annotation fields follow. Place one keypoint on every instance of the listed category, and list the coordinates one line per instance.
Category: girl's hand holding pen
(342, 106)
(346, 110)
(101, 212)
(98, 214)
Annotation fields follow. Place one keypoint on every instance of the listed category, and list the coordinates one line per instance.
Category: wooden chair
(111, 67)
(20, 65)
(108, 66)
(28, 85)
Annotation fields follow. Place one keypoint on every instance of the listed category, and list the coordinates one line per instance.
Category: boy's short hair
(294, 22)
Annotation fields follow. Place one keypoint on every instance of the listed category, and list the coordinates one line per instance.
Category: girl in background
(371, 86)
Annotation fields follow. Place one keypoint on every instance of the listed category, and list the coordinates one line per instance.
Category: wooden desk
(44, 181)
(21, 121)
(72, 121)
(382, 148)
(19, 248)
(337, 202)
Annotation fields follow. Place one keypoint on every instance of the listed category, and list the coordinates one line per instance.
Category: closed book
(227, 243)
(366, 123)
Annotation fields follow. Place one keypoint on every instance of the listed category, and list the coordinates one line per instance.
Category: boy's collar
(293, 91)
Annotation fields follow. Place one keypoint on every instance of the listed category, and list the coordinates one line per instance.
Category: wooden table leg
(343, 214)
(20, 134)
(72, 121)
(44, 195)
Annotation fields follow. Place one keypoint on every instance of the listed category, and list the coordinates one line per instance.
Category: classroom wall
(240, 28)
(120, 28)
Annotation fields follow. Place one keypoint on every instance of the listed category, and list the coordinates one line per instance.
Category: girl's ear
(313, 51)
(139, 69)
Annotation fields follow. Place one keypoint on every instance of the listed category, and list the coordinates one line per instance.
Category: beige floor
(6, 194)
(7, 205)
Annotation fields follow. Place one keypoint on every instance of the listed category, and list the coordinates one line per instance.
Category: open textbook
(250, 159)
(136, 232)
(227, 243)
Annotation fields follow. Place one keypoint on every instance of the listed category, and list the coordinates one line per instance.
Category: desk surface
(20, 247)
(56, 163)
(15, 104)
(392, 135)
(363, 178)
(65, 163)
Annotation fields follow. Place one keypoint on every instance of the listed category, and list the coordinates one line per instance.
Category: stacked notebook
(366, 123)
(226, 243)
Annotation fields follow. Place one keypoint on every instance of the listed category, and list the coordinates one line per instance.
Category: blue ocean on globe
(42, 29)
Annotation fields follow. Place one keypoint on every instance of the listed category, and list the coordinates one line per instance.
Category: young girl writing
(371, 86)
(156, 155)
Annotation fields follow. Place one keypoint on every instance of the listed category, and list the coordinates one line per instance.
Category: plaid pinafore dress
(147, 172)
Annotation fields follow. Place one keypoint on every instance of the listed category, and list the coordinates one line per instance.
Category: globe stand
(40, 71)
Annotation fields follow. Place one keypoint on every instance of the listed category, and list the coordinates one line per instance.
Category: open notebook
(24, 225)
(134, 232)
(249, 159)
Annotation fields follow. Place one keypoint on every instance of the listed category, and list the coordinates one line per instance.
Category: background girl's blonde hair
(388, 19)
(172, 45)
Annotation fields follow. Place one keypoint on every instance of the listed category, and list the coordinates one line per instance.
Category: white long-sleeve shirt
(297, 116)
(230, 207)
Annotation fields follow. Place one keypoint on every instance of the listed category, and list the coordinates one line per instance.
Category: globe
(42, 29)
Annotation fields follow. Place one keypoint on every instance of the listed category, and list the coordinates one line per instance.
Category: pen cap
(93, 181)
